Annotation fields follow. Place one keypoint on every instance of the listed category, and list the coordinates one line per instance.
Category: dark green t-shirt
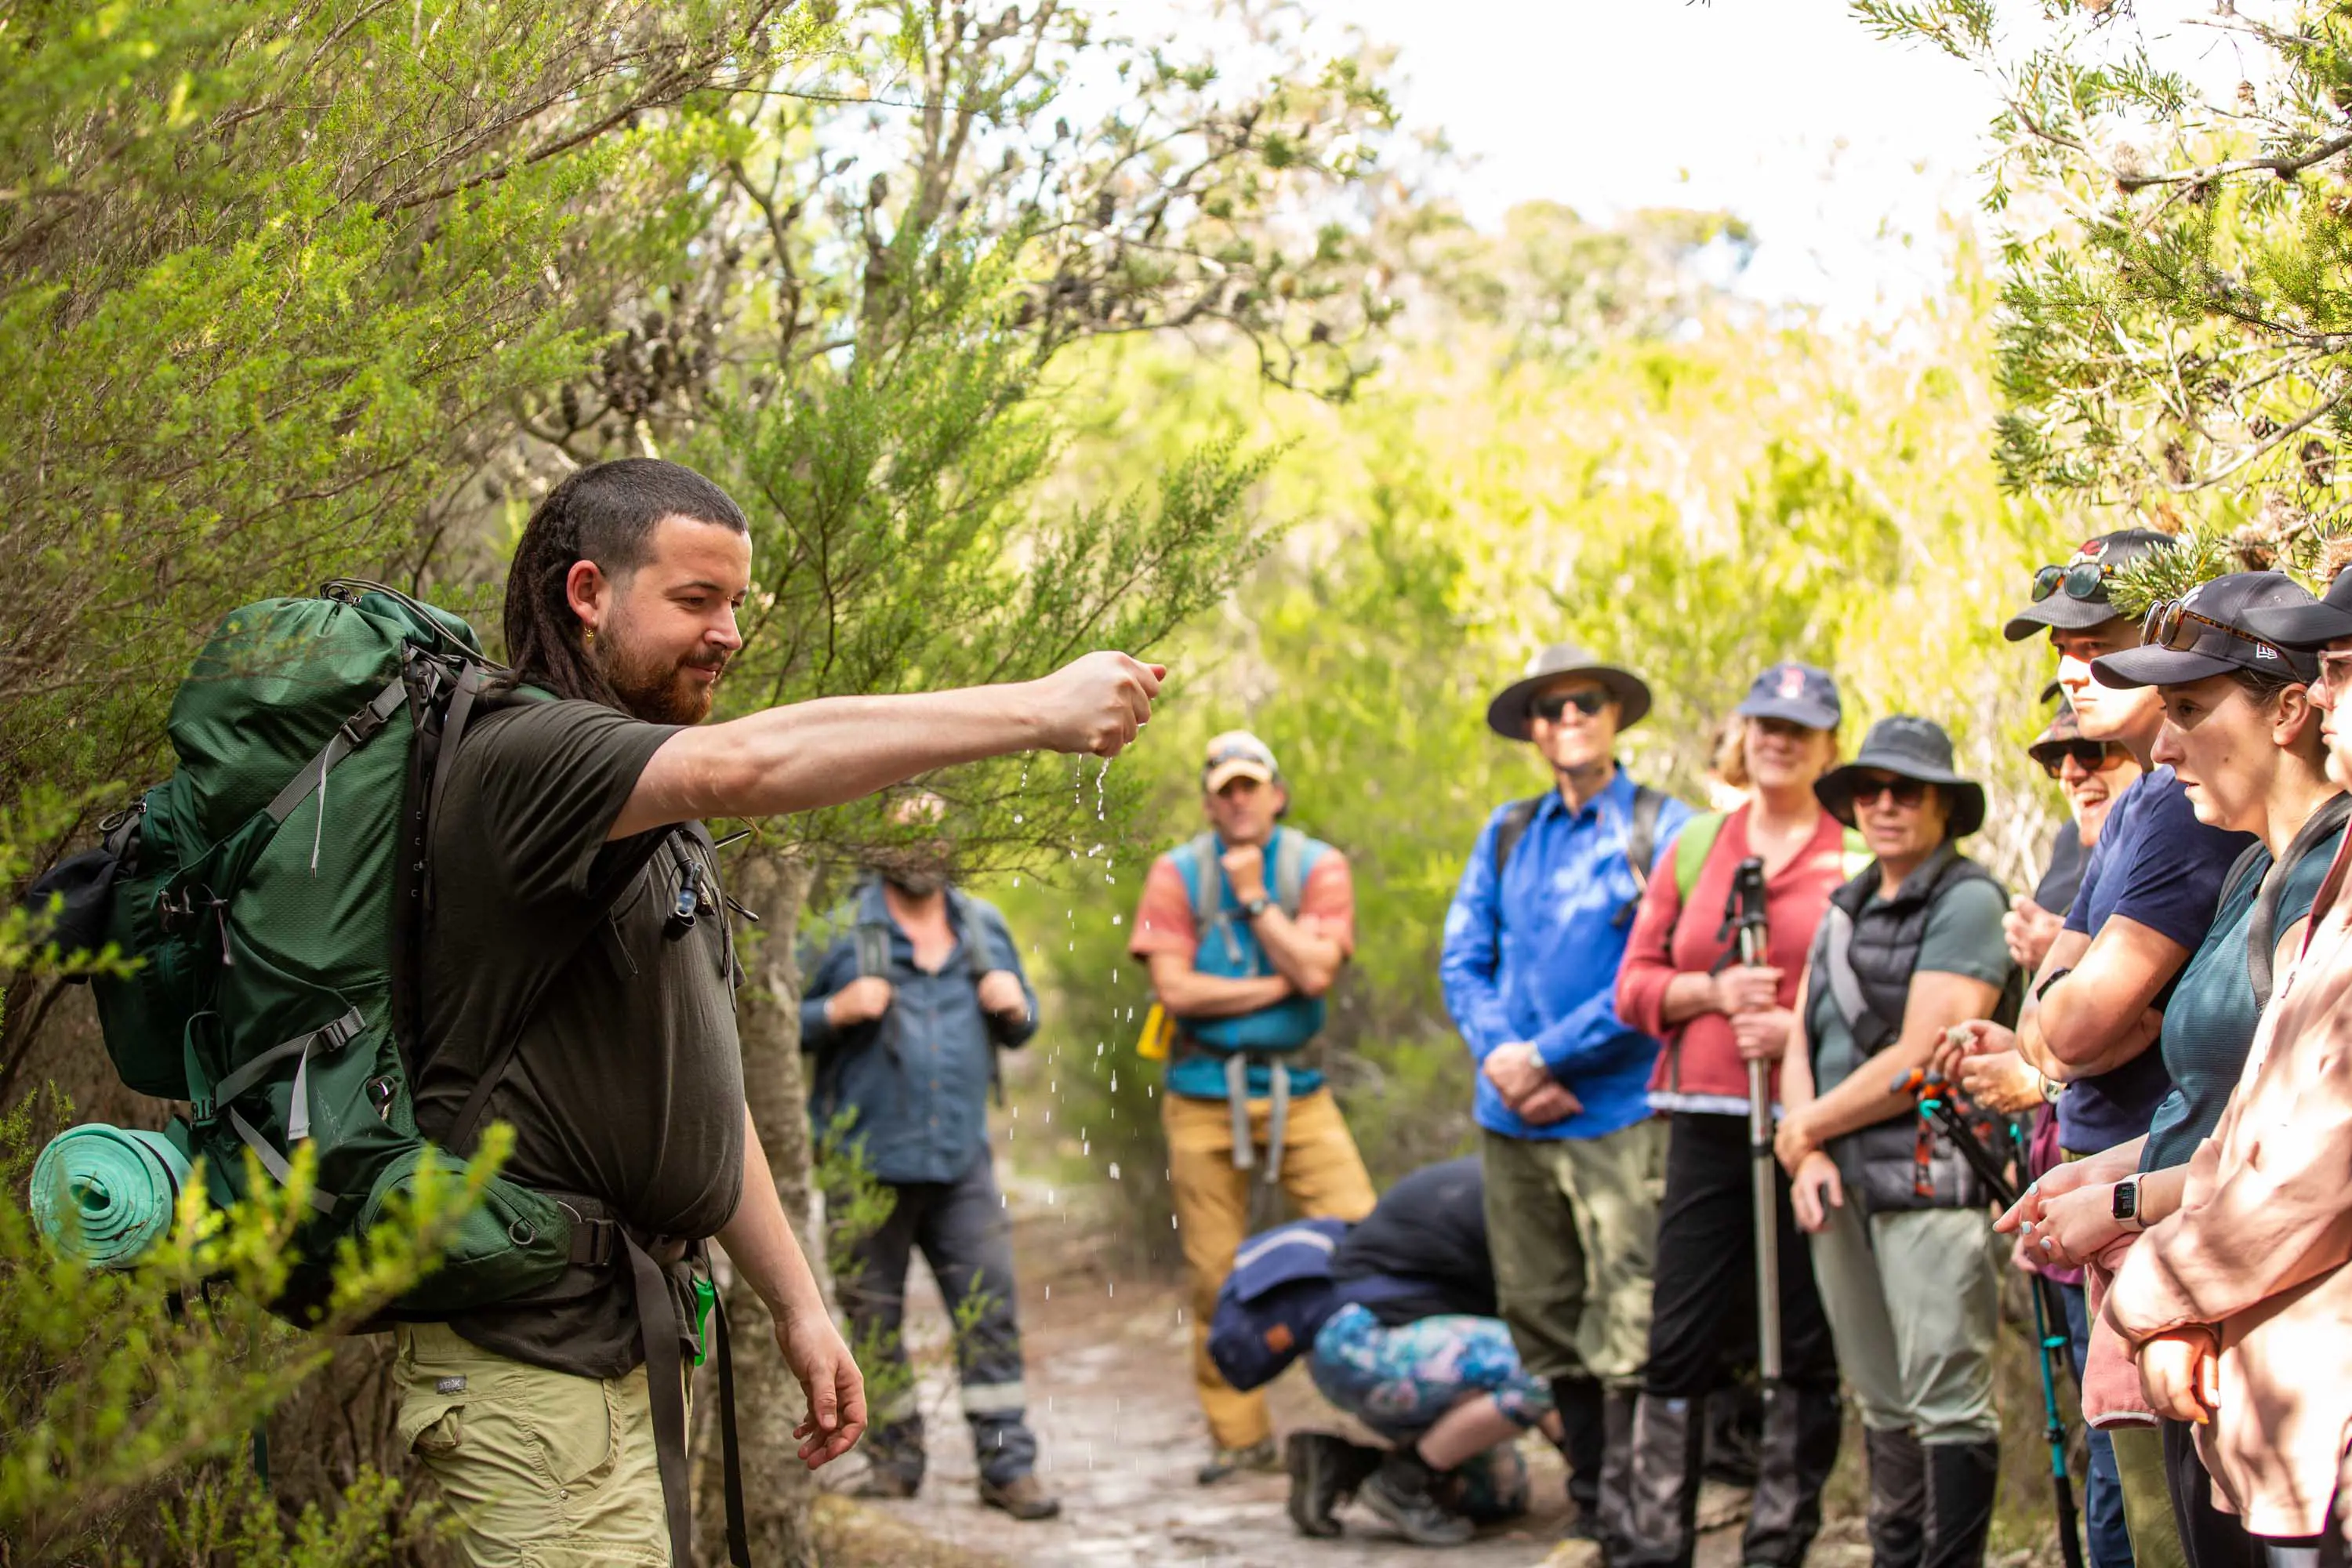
(627, 1083)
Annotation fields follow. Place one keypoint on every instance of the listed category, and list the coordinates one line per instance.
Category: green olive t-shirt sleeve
(1964, 936)
(547, 780)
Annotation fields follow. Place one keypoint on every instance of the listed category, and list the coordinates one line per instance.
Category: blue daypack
(1275, 1301)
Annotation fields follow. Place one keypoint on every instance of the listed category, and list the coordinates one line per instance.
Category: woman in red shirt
(1681, 981)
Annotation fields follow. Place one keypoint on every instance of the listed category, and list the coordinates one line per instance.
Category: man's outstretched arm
(837, 749)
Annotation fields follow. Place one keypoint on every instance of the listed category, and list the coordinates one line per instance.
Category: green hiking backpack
(273, 888)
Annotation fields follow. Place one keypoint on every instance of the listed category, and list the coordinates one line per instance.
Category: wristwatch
(2125, 1204)
(1252, 908)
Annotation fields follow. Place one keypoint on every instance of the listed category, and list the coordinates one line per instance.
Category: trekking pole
(1744, 913)
(1936, 1103)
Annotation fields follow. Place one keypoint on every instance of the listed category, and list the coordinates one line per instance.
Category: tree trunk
(777, 1490)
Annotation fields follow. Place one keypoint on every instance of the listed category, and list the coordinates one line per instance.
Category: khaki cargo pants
(542, 1468)
(1322, 1173)
(1572, 1224)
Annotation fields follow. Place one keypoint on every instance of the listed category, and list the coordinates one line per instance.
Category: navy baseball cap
(2210, 635)
(1801, 693)
(2075, 596)
(2312, 625)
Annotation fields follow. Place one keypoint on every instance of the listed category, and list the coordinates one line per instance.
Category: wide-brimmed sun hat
(1506, 715)
(1910, 748)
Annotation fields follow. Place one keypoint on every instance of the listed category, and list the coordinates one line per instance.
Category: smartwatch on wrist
(2125, 1204)
(1252, 908)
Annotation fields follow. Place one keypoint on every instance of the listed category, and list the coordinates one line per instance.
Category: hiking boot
(1022, 1496)
(1224, 1461)
(883, 1484)
(1898, 1497)
(1399, 1491)
(1962, 1480)
(1325, 1469)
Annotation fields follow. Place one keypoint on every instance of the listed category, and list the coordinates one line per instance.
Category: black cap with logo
(2310, 625)
(2209, 631)
(2074, 597)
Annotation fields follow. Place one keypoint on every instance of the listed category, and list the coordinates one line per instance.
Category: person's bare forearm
(822, 753)
(760, 1241)
(1688, 994)
(1309, 961)
(1197, 995)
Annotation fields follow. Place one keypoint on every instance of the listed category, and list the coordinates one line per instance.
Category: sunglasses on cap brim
(2085, 580)
(2094, 756)
(2174, 627)
(1551, 705)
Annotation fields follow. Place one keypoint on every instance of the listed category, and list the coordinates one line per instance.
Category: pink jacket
(2259, 1249)
(1701, 1067)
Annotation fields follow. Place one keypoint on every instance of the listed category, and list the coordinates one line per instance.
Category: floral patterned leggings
(1398, 1381)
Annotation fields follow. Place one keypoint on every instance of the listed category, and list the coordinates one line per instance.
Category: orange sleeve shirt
(1164, 923)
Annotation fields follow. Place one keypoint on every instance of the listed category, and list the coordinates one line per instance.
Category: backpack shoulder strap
(2241, 868)
(1837, 967)
(2262, 928)
(1294, 856)
(1196, 860)
(1691, 846)
(1512, 828)
(970, 930)
(1642, 832)
(606, 892)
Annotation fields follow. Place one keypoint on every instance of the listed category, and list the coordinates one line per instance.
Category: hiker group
(1751, 1083)
(1769, 1098)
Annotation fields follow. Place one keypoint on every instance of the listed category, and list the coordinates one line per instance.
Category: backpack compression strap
(2262, 926)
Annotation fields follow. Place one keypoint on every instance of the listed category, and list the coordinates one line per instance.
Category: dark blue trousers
(963, 1233)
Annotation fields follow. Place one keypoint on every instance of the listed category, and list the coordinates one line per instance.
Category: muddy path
(1110, 1397)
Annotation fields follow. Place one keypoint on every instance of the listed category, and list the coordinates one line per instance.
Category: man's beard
(653, 688)
(919, 873)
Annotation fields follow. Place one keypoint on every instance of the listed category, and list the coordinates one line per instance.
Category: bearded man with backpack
(1573, 1161)
(904, 1013)
(453, 894)
(1245, 927)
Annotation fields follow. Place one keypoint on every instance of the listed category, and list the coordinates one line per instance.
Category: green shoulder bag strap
(2262, 927)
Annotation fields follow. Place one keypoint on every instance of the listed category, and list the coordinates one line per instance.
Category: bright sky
(1836, 147)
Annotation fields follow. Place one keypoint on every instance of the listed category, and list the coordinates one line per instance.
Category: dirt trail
(1110, 1397)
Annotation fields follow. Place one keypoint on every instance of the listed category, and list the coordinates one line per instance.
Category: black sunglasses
(1552, 705)
(2175, 627)
(2094, 757)
(1903, 792)
(2083, 580)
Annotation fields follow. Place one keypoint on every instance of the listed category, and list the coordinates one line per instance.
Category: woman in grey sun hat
(1506, 715)
(1909, 748)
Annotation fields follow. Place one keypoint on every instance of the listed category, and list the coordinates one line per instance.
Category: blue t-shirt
(2210, 1026)
(2157, 864)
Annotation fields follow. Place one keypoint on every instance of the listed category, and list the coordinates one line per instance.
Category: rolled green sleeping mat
(107, 1193)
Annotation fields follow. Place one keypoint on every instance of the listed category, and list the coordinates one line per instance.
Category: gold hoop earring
(588, 637)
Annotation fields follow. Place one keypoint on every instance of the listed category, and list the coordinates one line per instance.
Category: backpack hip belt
(600, 1236)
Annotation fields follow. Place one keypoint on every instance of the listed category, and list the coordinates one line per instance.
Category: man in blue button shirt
(904, 1015)
(1574, 1162)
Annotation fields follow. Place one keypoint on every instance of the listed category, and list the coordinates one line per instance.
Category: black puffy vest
(1903, 1163)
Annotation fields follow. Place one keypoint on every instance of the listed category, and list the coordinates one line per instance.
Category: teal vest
(1230, 949)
